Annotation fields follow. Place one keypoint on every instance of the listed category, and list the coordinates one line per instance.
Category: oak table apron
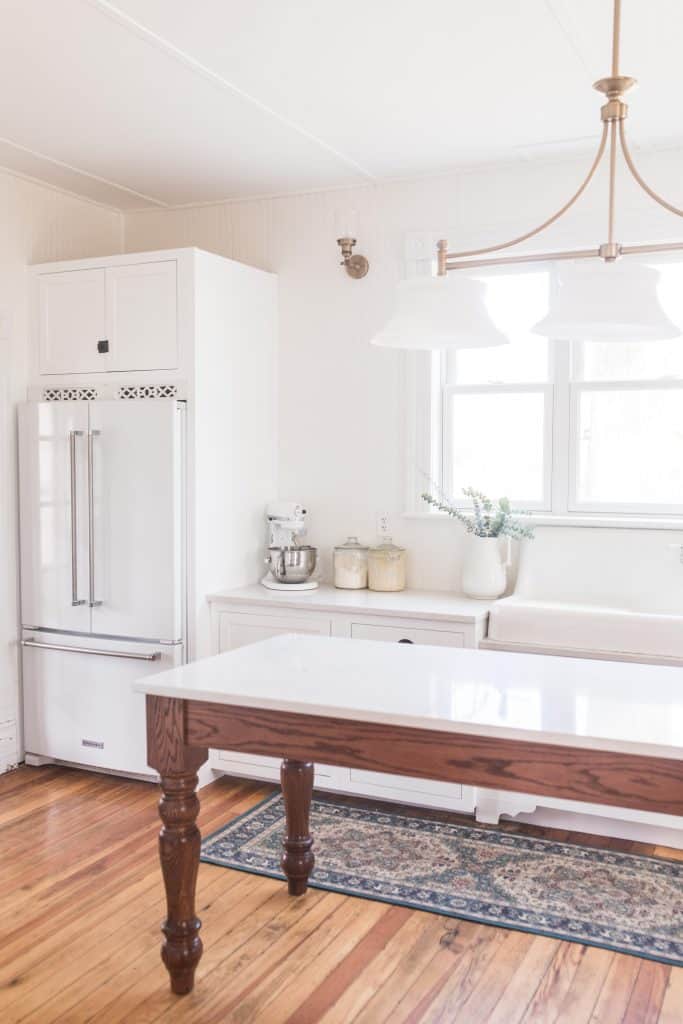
(181, 729)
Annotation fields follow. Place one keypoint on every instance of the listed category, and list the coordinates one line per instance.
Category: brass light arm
(613, 115)
(634, 171)
(444, 257)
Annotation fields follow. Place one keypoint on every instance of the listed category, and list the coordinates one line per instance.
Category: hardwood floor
(81, 902)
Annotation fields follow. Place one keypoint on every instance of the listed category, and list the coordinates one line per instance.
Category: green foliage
(487, 518)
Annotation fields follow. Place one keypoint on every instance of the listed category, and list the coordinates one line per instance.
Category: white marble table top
(600, 705)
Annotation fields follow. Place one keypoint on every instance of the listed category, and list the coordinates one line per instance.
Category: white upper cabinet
(141, 316)
(72, 321)
(116, 318)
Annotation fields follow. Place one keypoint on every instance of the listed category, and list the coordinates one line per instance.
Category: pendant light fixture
(438, 312)
(618, 301)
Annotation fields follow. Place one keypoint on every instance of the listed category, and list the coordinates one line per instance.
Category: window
(560, 428)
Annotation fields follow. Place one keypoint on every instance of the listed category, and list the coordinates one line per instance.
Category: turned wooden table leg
(297, 855)
(179, 839)
(179, 848)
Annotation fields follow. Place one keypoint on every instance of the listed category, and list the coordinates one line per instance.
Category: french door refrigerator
(102, 572)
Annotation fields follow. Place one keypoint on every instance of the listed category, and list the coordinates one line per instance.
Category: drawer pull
(405, 641)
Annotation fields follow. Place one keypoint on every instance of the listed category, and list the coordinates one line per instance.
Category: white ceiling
(140, 103)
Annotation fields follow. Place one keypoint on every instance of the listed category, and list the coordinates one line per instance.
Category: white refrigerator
(103, 594)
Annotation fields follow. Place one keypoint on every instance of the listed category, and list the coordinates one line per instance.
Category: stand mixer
(291, 565)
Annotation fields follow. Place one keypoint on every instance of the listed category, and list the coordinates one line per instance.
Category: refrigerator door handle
(73, 434)
(91, 519)
(154, 656)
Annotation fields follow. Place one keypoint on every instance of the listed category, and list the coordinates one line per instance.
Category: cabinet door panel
(141, 316)
(238, 630)
(383, 786)
(71, 322)
(405, 789)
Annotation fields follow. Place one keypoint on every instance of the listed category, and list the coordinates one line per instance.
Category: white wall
(38, 223)
(340, 410)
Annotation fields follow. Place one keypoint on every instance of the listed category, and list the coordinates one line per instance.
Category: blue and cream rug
(621, 901)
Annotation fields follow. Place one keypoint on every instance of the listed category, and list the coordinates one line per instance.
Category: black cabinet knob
(103, 345)
(404, 641)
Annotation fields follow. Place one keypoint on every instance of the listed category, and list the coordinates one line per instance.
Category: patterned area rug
(620, 901)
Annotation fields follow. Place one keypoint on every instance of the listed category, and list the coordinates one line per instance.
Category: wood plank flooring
(81, 902)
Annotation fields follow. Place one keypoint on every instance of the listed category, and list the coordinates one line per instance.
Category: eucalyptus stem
(487, 519)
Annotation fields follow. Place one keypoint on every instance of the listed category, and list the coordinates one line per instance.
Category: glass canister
(351, 565)
(387, 567)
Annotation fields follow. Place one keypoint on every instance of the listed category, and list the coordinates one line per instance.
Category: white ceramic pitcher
(483, 570)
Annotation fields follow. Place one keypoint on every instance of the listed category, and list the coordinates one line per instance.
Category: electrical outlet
(383, 524)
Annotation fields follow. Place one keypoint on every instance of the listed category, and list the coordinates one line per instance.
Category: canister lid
(386, 547)
(351, 544)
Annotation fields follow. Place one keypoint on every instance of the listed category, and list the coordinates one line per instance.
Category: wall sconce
(356, 266)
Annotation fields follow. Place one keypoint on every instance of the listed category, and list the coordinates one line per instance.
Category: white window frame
(577, 388)
(427, 400)
(450, 393)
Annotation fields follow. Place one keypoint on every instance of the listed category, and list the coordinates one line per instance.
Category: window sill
(613, 522)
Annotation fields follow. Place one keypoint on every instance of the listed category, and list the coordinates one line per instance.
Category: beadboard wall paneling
(38, 224)
(340, 411)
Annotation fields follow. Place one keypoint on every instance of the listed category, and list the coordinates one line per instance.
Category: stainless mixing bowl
(292, 565)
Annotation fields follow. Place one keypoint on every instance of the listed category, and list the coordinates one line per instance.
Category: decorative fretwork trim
(85, 394)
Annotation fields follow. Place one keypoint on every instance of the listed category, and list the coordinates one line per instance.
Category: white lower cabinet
(236, 629)
(235, 625)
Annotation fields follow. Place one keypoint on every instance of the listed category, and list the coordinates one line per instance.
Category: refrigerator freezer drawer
(79, 703)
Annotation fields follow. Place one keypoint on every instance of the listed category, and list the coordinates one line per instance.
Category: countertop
(598, 705)
(411, 604)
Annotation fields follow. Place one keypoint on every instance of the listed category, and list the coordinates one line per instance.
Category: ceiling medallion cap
(615, 86)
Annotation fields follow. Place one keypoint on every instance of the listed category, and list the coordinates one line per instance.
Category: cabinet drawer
(237, 630)
(412, 634)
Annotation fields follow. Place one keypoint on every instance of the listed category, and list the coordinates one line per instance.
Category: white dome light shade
(607, 302)
(439, 312)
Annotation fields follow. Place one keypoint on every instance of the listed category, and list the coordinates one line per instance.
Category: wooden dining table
(604, 732)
